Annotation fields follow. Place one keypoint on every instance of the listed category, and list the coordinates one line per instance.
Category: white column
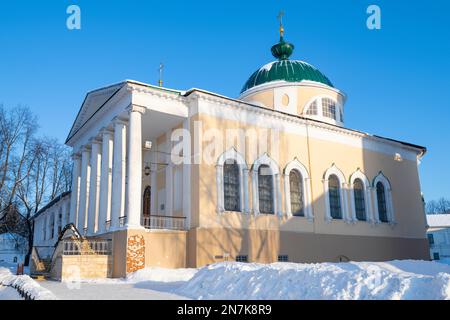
(154, 190)
(219, 189)
(134, 167)
(308, 199)
(245, 187)
(278, 204)
(55, 225)
(255, 195)
(104, 213)
(327, 201)
(118, 173)
(84, 189)
(186, 191)
(75, 193)
(94, 188)
(65, 209)
(169, 178)
(287, 195)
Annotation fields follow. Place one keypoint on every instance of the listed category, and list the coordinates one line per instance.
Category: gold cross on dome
(280, 18)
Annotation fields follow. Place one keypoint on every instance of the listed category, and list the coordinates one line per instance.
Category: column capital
(76, 156)
(85, 148)
(106, 130)
(118, 120)
(136, 108)
(95, 140)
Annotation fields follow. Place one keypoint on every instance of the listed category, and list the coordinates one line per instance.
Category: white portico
(114, 165)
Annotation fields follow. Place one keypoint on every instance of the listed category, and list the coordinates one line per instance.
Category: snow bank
(25, 283)
(161, 275)
(364, 280)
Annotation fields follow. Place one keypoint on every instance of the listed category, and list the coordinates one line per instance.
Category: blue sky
(397, 78)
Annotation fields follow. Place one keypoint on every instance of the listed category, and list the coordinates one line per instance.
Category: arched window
(360, 206)
(265, 189)
(147, 201)
(334, 194)
(329, 108)
(231, 186)
(312, 110)
(232, 182)
(296, 192)
(381, 201)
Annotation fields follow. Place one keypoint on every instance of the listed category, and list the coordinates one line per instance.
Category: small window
(436, 256)
(296, 193)
(146, 201)
(329, 108)
(381, 200)
(242, 258)
(231, 186)
(334, 193)
(283, 258)
(15, 259)
(312, 110)
(358, 192)
(265, 189)
(430, 239)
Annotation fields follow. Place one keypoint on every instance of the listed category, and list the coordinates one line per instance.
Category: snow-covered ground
(406, 279)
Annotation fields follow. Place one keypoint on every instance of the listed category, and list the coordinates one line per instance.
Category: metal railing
(107, 224)
(122, 221)
(164, 222)
(86, 247)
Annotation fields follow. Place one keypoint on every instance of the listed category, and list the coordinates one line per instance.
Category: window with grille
(296, 192)
(242, 258)
(334, 194)
(358, 192)
(265, 189)
(231, 186)
(329, 108)
(381, 200)
(283, 258)
(312, 110)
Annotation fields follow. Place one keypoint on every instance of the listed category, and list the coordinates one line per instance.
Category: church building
(175, 178)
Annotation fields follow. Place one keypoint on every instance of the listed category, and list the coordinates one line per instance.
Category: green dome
(285, 69)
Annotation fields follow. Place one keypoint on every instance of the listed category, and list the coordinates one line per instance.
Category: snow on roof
(438, 220)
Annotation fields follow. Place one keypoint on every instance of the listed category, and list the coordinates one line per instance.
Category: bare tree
(17, 127)
(439, 206)
(32, 170)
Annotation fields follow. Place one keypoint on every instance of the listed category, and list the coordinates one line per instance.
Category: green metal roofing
(285, 69)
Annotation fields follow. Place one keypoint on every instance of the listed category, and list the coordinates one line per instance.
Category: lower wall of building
(82, 267)
(218, 244)
(135, 249)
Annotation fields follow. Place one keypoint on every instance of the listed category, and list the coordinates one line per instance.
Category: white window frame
(307, 207)
(388, 194)
(273, 166)
(358, 174)
(232, 154)
(320, 116)
(346, 215)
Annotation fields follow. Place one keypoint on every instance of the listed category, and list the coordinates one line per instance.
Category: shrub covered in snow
(25, 284)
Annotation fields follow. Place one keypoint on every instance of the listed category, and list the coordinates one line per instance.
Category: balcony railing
(86, 247)
(164, 222)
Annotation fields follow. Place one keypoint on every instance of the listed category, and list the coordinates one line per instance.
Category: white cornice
(247, 107)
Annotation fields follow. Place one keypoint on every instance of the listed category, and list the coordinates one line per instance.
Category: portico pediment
(93, 101)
